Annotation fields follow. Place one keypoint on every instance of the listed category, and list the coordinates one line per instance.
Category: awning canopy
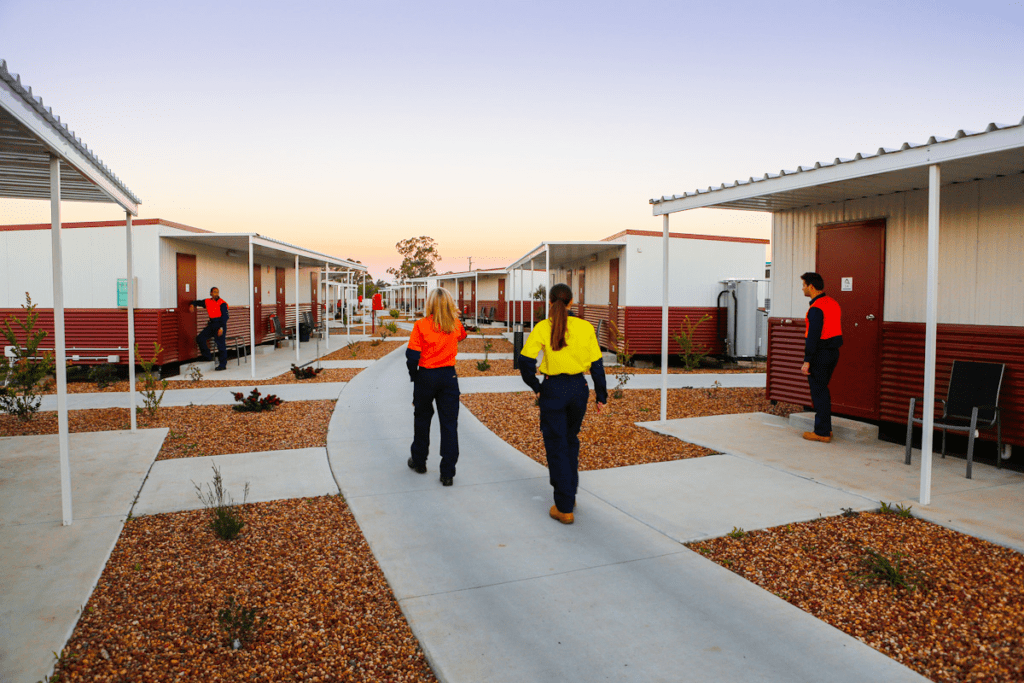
(563, 253)
(967, 156)
(30, 133)
(265, 247)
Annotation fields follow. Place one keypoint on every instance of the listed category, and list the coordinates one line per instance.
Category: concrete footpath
(48, 571)
(497, 591)
(506, 383)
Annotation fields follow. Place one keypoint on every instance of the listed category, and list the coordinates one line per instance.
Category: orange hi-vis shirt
(829, 308)
(213, 308)
(437, 349)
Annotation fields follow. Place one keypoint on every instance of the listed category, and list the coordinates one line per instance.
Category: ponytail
(560, 298)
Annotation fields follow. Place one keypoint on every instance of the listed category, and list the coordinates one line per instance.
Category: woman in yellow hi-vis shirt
(570, 348)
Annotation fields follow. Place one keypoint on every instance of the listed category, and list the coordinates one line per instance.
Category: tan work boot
(811, 436)
(563, 517)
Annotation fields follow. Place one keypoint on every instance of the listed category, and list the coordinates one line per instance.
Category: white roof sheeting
(30, 133)
(239, 242)
(968, 155)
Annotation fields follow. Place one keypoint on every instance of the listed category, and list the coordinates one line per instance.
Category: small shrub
(103, 375)
(224, 520)
(239, 623)
(195, 374)
(152, 389)
(483, 365)
(712, 391)
(254, 402)
(737, 532)
(27, 369)
(688, 351)
(306, 372)
(880, 568)
(850, 512)
(622, 356)
(392, 327)
(894, 509)
(394, 313)
(353, 348)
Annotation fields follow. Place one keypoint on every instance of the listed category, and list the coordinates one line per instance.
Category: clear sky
(492, 125)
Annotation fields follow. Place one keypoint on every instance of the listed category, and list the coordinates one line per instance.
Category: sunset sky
(492, 125)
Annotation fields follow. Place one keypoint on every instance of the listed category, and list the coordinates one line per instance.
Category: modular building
(619, 279)
(868, 224)
(477, 292)
(174, 265)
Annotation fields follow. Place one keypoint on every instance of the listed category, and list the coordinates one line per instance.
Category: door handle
(869, 316)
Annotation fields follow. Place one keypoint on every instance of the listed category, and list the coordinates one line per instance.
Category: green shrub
(238, 623)
(892, 570)
(152, 389)
(688, 351)
(225, 521)
(254, 402)
(27, 369)
(103, 375)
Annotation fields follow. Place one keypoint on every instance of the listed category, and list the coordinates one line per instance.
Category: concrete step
(842, 428)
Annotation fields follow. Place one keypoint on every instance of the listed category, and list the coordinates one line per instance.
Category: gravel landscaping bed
(337, 375)
(326, 609)
(611, 439)
(200, 430)
(476, 345)
(503, 367)
(962, 619)
(364, 350)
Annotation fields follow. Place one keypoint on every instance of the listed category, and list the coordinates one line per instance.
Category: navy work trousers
(563, 404)
(222, 346)
(823, 363)
(441, 386)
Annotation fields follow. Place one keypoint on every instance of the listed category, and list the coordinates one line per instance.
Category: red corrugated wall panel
(642, 327)
(902, 366)
(105, 329)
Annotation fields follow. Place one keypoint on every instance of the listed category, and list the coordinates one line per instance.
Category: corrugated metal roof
(24, 159)
(889, 169)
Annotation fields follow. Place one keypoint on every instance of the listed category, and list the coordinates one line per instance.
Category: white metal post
(508, 291)
(133, 409)
(362, 315)
(298, 357)
(327, 305)
(533, 262)
(252, 313)
(664, 318)
(522, 300)
(547, 272)
(58, 343)
(930, 334)
(476, 298)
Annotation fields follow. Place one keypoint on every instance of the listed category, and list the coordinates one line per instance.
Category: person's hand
(536, 395)
(220, 332)
(598, 406)
(805, 369)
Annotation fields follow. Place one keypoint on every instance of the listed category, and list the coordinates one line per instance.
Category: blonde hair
(441, 307)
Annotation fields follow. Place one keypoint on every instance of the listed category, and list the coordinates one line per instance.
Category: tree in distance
(419, 254)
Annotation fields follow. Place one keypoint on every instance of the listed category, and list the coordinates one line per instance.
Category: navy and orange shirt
(822, 326)
(216, 309)
(432, 348)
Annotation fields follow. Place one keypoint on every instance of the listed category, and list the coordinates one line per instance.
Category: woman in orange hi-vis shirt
(433, 345)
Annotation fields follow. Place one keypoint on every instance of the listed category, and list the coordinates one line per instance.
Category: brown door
(314, 294)
(473, 308)
(581, 293)
(282, 310)
(613, 291)
(186, 271)
(568, 278)
(257, 301)
(501, 299)
(462, 296)
(851, 260)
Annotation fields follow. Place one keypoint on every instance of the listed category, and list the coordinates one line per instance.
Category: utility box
(744, 319)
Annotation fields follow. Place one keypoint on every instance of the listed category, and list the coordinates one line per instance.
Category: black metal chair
(972, 403)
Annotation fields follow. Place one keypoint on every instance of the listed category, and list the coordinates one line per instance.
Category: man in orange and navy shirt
(217, 328)
(823, 335)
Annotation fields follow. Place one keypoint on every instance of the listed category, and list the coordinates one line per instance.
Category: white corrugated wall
(981, 249)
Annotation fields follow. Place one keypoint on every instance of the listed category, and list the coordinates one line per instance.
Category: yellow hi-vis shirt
(580, 350)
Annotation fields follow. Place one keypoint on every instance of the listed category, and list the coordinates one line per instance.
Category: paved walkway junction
(494, 589)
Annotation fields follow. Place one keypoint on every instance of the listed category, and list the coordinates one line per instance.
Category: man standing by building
(823, 336)
(217, 310)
